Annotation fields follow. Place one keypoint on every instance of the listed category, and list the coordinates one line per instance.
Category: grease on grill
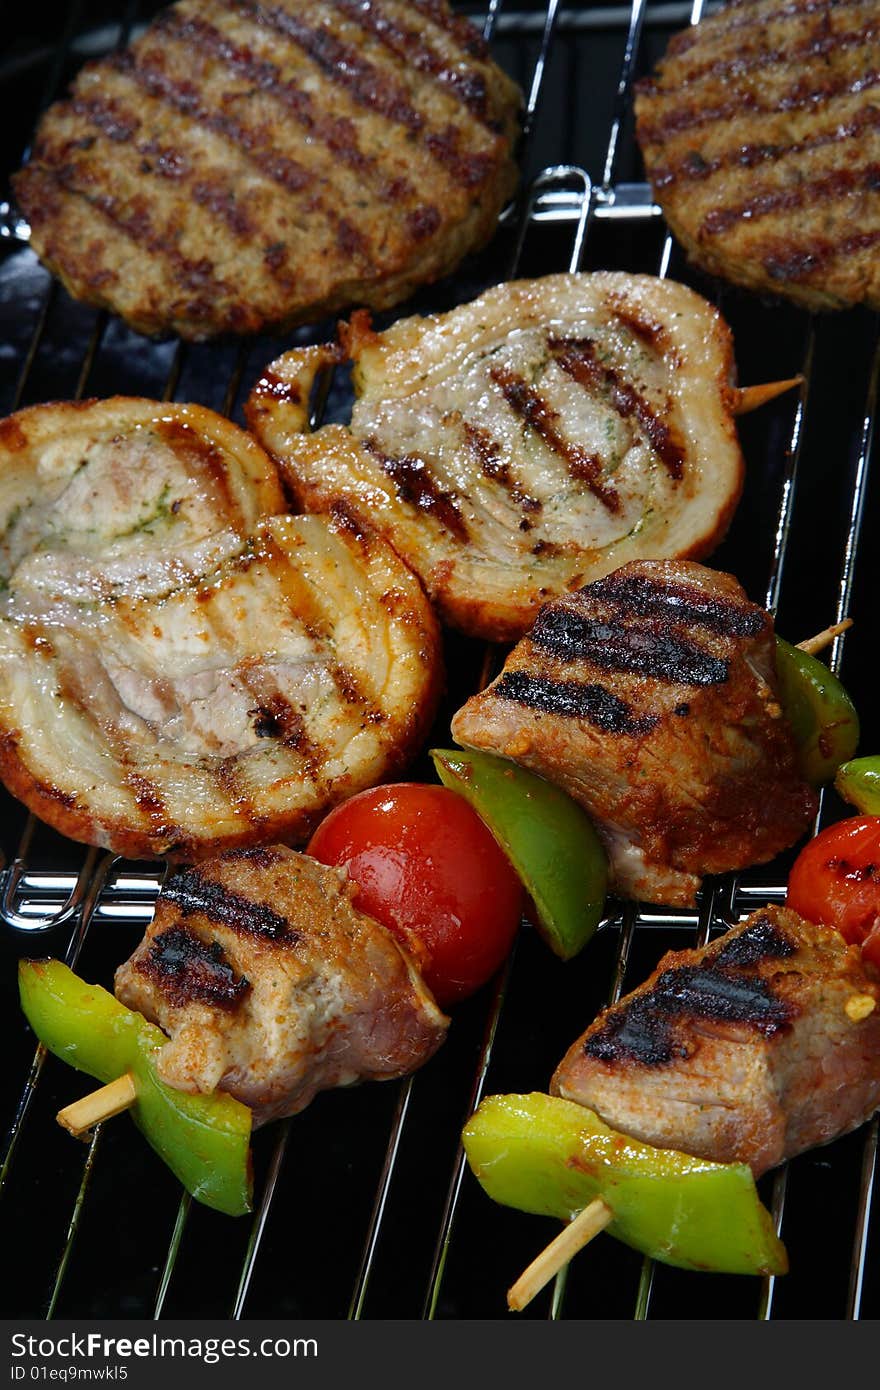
(187, 969)
(191, 892)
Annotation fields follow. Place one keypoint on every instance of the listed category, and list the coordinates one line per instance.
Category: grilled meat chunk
(121, 485)
(262, 681)
(750, 1050)
(650, 697)
(761, 137)
(251, 164)
(273, 986)
(524, 443)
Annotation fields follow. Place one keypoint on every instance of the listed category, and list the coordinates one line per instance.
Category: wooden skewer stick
(742, 399)
(572, 1238)
(99, 1105)
(812, 645)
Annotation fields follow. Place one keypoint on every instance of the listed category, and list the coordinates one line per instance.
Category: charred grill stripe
(757, 58)
(804, 94)
(186, 969)
(465, 83)
(643, 1030)
(371, 87)
(148, 798)
(416, 485)
(206, 459)
(574, 700)
(456, 26)
(487, 452)
(539, 416)
(694, 168)
(191, 892)
(837, 184)
(729, 21)
(785, 261)
(614, 647)
(761, 940)
(578, 359)
(639, 596)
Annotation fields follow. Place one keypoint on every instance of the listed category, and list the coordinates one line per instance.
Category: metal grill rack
(363, 1205)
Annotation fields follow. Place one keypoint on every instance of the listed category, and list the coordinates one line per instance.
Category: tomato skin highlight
(429, 869)
(836, 881)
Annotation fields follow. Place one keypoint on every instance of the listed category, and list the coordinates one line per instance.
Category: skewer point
(109, 1100)
(572, 1238)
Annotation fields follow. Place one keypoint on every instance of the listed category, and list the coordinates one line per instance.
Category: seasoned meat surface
(524, 443)
(650, 697)
(258, 680)
(118, 485)
(245, 166)
(750, 1050)
(273, 986)
(761, 136)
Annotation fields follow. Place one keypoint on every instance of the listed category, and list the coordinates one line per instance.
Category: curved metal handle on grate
(35, 923)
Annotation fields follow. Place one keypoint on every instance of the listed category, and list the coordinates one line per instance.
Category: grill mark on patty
(643, 1030)
(186, 969)
(416, 485)
(751, 58)
(539, 415)
(614, 647)
(865, 178)
(369, 86)
(694, 168)
(456, 26)
(487, 452)
(727, 22)
(787, 261)
(798, 97)
(574, 700)
(466, 85)
(191, 892)
(578, 358)
(639, 596)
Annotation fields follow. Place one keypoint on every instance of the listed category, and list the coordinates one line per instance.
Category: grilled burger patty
(248, 165)
(273, 986)
(749, 1050)
(124, 484)
(650, 697)
(761, 137)
(524, 443)
(232, 703)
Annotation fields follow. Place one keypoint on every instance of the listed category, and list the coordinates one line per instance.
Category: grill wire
(364, 1207)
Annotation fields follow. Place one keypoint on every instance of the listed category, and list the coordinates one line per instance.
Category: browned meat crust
(248, 165)
(650, 696)
(273, 986)
(761, 137)
(761, 1045)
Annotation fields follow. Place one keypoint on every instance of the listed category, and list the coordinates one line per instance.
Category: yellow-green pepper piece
(547, 837)
(552, 1157)
(822, 716)
(204, 1139)
(858, 782)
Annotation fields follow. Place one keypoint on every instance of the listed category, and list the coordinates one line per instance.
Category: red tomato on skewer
(429, 870)
(836, 880)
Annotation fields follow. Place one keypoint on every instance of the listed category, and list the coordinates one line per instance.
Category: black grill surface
(363, 1206)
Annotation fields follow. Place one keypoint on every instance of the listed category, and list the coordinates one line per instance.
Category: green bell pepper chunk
(822, 716)
(552, 1157)
(204, 1139)
(547, 837)
(858, 782)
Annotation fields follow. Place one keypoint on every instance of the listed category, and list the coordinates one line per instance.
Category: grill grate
(364, 1207)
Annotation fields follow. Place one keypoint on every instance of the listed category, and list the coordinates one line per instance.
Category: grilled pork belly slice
(750, 1050)
(761, 136)
(300, 666)
(250, 164)
(524, 443)
(124, 479)
(650, 696)
(273, 986)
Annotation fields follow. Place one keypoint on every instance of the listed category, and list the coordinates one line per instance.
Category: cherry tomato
(428, 868)
(836, 880)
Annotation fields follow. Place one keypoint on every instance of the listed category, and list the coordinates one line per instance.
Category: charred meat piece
(251, 164)
(524, 443)
(259, 680)
(122, 484)
(761, 137)
(273, 986)
(650, 697)
(750, 1050)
